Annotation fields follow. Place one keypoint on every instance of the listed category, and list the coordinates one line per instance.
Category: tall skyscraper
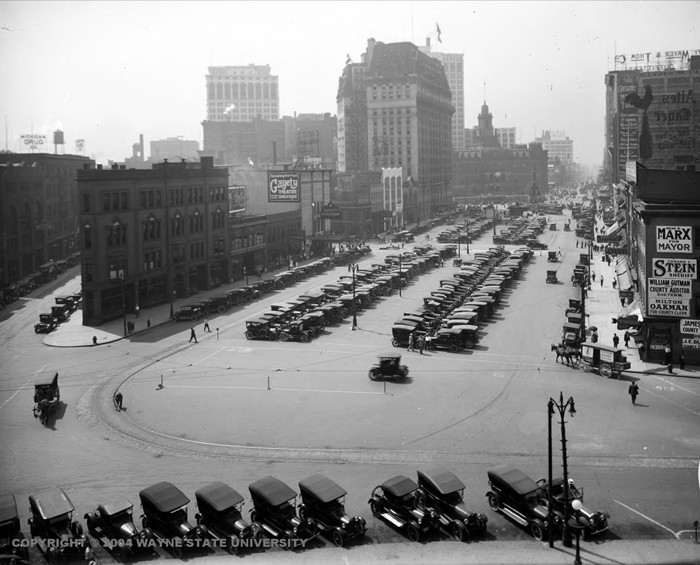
(240, 94)
(453, 63)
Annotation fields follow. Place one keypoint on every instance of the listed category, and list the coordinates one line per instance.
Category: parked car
(274, 505)
(261, 328)
(52, 526)
(165, 513)
(444, 494)
(598, 521)
(535, 244)
(47, 324)
(61, 312)
(13, 546)
(398, 501)
(190, 312)
(70, 301)
(112, 525)
(296, 331)
(238, 296)
(220, 508)
(324, 501)
(516, 495)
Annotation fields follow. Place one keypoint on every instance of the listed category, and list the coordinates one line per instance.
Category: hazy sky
(106, 72)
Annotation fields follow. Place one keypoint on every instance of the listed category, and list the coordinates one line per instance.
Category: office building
(242, 93)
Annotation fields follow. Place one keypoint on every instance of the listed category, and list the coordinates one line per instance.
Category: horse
(566, 352)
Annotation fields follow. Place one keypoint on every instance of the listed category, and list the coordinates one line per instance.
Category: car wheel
(537, 530)
(194, 317)
(222, 309)
(338, 539)
(374, 508)
(144, 522)
(469, 344)
(177, 551)
(284, 337)
(457, 532)
(454, 348)
(302, 512)
(173, 318)
(605, 370)
(395, 343)
(494, 503)
(373, 375)
(233, 545)
(304, 338)
(248, 335)
(412, 533)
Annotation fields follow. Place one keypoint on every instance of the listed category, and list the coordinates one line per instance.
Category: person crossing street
(633, 391)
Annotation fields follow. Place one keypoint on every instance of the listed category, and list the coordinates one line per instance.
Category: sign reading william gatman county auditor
(670, 288)
(674, 239)
(283, 186)
(672, 268)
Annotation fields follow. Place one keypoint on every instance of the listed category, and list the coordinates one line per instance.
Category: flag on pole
(348, 60)
(438, 32)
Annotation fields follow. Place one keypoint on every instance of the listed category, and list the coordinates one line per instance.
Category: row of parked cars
(429, 506)
(306, 316)
(60, 311)
(523, 231)
(452, 314)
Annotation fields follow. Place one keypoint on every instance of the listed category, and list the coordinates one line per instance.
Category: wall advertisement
(672, 307)
(691, 342)
(670, 288)
(674, 239)
(673, 268)
(283, 187)
(691, 327)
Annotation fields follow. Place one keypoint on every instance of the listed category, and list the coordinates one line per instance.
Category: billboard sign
(236, 198)
(33, 140)
(669, 288)
(330, 212)
(691, 342)
(673, 268)
(283, 186)
(674, 239)
(672, 307)
(691, 327)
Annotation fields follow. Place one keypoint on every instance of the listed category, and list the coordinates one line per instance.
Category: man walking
(410, 342)
(601, 280)
(616, 340)
(137, 310)
(633, 392)
(626, 337)
(118, 400)
(193, 336)
(421, 344)
(206, 325)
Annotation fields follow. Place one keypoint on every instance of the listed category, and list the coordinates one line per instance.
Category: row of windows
(118, 201)
(228, 91)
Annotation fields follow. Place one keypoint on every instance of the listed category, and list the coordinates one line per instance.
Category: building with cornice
(242, 93)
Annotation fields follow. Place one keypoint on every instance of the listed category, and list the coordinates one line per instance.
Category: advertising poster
(283, 186)
(673, 268)
(691, 327)
(674, 239)
(670, 288)
(236, 198)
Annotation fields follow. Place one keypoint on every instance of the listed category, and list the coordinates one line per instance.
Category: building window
(87, 236)
(151, 229)
(219, 246)
(196, 222)
(217, 219)
(88, 272)
(178, 254)
(117, 269)
(116, 234)
(152, 261)
(86, 203)
(178, 225)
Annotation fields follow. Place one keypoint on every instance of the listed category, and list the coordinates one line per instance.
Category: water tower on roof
(58, 140)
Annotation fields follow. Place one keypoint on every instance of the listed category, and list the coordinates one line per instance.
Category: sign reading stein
(282, 186)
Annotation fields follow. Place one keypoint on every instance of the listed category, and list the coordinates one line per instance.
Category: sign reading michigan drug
(283, 186)
(674, 239)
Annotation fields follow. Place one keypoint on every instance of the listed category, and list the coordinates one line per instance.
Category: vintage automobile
(165, 513)
(191, 312)
(468, 335)
(551, 277)
(14, 549)
(47, 324)
(261, 329)
(296, 331)
(333, 314)
(567, 227)
(112, 525)
(239, 296)
(553, 256)
(52, 526)
(219, 303)
(399, 501)
(597, 521)
(47, 395)
(388, 366)
(220, 508)
(516, 495)
(607, 360)
(61, 312)
(70, 301)
(324, 501)
(274, 508)
(445, 338)
(314, 322)
(444, 494)
(535, 244)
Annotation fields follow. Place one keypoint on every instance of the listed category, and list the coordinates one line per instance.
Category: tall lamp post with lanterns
(561, 408)
(354, 268)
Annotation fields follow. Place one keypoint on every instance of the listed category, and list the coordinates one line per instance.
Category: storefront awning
(634, 308)
(623, 273)
(610, 230)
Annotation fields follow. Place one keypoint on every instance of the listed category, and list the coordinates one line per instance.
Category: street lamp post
(459, 239)
(400, 276)
(579, 523)
(467, 235)
(354, 268)
(123, 303)
(561, 407)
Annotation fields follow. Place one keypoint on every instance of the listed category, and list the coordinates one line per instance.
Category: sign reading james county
(674, 239)
(282, 186)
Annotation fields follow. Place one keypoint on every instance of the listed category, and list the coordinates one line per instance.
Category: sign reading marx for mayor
(283, 186)
(672, 268)
(670, 288)
(674, 239)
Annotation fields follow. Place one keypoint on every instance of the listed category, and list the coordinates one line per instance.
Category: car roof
(8, 508)
(518, 481)
(45, 377)
(51, 503)
(274, 491)
(399, 485)
(165, 496)
(442, 479)
(219, 496)
(115, 506)
(322, 488)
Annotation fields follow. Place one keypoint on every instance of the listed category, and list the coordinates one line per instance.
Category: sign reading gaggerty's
(283, 186)
(674, 239)
(672, 268)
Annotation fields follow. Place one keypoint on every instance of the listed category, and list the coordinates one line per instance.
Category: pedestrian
(193, 336)
(594, 337)
(206, 325)
(626, 337)
(616, 340)
(601, 280)
(118, 399)
(593, 276)
(614, 283)
(421, 344)
(633, 391)
(138, 311)
(410, 342)
(349, 267)
(681, 361)
(667, 355)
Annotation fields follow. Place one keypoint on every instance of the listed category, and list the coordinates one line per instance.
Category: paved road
(322, 414)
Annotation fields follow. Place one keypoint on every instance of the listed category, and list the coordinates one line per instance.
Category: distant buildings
(242, 93)
(558, 146)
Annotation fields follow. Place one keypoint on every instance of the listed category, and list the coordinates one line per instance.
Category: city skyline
(106, 72)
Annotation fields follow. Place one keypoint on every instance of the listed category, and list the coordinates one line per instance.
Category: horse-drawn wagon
(608, 361)
(46, 395)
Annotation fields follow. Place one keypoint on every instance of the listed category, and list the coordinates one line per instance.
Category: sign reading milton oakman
(282, 186)
(674, 239)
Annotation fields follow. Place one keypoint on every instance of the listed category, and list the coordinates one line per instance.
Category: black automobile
(535, 244)
(516, 495)
(274, 509)
(388, 366)
(239, 296)
(47, 324)
(165, 513)
(323, 500)
(112, 525)
(191, 312)
(296, 331)
(261, 328)
(444, 494)
(70, 301)
(61, 312)
(13, 546)
(597, 521)
(399, 502)
(52, 526)
(220, 508)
